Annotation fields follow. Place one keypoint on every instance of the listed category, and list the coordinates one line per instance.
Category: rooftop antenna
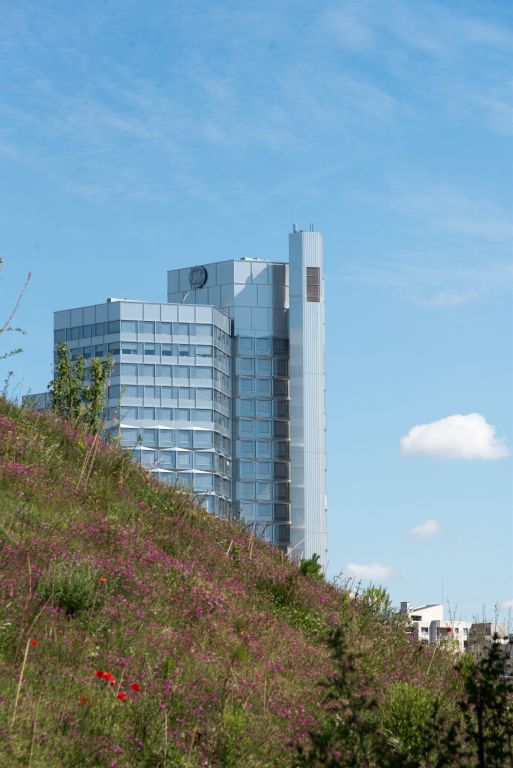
(294, 228)
(312, 228)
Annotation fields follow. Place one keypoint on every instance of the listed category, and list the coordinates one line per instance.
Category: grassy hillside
(137, 630)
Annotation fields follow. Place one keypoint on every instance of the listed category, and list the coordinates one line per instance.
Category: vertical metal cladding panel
(307, 385)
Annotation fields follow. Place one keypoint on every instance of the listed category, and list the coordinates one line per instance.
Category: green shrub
(406, 714)
(71, 585)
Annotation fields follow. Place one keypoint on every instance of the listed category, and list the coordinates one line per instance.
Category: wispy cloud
(369, 571)
(455, 437)
(507, 604)
(427, 530)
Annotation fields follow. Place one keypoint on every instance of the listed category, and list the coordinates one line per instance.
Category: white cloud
(369, 571)
(426, 530)
(508, 604)
(455, 437)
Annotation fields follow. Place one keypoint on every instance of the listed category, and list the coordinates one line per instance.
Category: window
(245, 491)
(145, 371)
(88, 352)
(247, 449)
(131, 348)
(263, 386)
(281, 428)
(246, 386)
(73, 334)
(145, 327)
(247, 470)
(163, 329)
(264, 450)
(200, 372)
(112, 327)
(203, 460)
(169, 393)
(128, 413)
(128, 369)
(263, 346)
(185, 350)
(183, 460)
(281, 471)
(59, 335)
(281, 491)
(114, 392)
(264, 470)
(167, 437)
(164, 414)
(146, 413)
(181, 414)
(148, 458)
(203, 483)
(264, 491)
(168, 350)
(246, 427)
(246, 407)
(149, 437)
(263, 367)
(98, 329)
(264, 408)
(114, 348)
(246, 366)
(100, 350)
(246, 345)
(201, 414)
(281, 367)
(151, 393)
(128, 436)
(151, 349)
(202, 329)
(280, 346)
(281, 512)
(184, 438)
(187, 396)
(128, 326)
(264, 428)
(167, 459)
(247, 511)
(281, 450)
(181, 329)
(85, 332)
(202, 350)
(264, 511)
(203, 439)
(281, 409)
(280, 388)
(204, 395)
(163, 371)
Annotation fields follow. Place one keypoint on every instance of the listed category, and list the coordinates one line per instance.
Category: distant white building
(430, 628)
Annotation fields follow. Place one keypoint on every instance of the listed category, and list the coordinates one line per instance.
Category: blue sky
(137, 137)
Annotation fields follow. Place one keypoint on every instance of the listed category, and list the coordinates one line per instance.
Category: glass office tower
(222, 388)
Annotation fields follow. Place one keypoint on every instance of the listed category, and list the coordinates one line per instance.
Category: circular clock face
(198, 277)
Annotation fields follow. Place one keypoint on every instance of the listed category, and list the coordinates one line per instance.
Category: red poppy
(103, 579)
(448, 629)
(84, 699)
(121, 695)
(110, 677)
(34, 643)
(99, 673)
(135, 687)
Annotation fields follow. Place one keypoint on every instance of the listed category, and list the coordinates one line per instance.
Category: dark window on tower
(313, 284)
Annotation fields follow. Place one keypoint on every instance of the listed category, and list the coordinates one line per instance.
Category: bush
(71, 585)
(406, 714)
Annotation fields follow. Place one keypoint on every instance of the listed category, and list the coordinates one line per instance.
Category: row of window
(251, 511)
(263, 408)
(185, 373)
(263, 428)
(171, 415)
(268, 386)
(262, 490)
(131, 437)
(263, 470)
(264, 366)
(143, 328)
(206, 461)
(263, 449)
(194, 352)
(173, 396)
(200, 483)
(262, 346)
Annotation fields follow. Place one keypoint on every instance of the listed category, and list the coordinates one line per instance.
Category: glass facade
(170, 394)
